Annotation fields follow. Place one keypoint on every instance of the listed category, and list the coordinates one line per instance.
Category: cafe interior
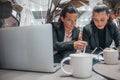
(24, 42)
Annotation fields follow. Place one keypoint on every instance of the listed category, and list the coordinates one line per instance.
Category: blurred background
(35, 12)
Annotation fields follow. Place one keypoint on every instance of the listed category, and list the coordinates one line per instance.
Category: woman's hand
(79, 45)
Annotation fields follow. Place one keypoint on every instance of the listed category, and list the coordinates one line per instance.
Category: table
(110, 71)
(25, 75)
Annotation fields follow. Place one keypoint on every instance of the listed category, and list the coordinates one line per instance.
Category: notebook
(27, 48)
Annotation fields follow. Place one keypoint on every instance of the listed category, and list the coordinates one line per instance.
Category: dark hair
(67, 9)
(101, 8)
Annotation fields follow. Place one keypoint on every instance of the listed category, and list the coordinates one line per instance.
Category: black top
(101, 37)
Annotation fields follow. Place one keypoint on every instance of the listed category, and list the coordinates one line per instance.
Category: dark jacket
(58, 39)
(91, 36)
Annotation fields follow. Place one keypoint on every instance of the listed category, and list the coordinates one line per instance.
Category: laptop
(27, 48)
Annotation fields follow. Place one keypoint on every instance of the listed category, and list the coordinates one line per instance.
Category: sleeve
(86, 37)
(116, 35)
(62, 46)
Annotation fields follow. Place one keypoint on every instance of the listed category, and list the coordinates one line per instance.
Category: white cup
(81, 65)
(110, 56)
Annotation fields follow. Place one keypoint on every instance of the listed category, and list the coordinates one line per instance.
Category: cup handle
(62, 62)
(98, 56)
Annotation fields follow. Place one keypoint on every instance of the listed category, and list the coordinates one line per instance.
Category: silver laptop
(27, 48)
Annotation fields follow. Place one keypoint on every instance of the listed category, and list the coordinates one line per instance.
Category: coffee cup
(81, 65)
(110, 56)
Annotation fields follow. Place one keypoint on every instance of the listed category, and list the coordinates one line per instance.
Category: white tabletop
(59, 75)
(111, 71)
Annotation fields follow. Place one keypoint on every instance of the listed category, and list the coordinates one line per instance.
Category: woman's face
(100, 19)
(70, 20)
